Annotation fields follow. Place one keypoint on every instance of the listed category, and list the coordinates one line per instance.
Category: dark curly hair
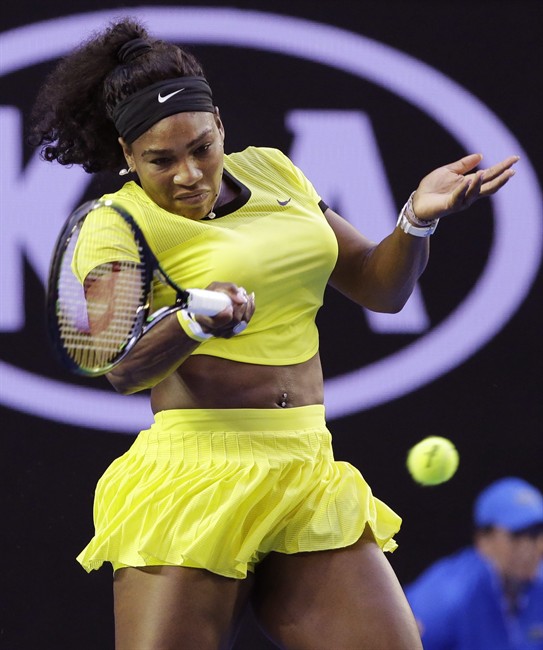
(71, 118)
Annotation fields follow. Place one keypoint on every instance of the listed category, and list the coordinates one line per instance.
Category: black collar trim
(235, 204)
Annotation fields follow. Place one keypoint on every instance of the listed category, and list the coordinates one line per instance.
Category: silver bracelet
(192, 327)
(411, 224)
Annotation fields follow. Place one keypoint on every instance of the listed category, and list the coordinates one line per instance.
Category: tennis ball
(432, 461)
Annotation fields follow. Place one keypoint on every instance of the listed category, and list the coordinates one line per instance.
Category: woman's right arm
(155, 356)
(165, 347)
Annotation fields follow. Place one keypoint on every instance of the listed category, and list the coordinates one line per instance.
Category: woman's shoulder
(129, 193)
(261, 155)
(269, 164)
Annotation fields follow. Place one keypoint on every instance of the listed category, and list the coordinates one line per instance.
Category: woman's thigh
(346, 599)
(171, 608)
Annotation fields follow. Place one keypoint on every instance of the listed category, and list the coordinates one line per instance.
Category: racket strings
(97, 320)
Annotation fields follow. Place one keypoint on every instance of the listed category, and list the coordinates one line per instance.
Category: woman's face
(179, 162)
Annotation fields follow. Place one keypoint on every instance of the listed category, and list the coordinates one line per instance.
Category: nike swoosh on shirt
(162, 99)
(283, 203)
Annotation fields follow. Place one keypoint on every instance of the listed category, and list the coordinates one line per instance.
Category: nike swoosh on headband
(162, 99)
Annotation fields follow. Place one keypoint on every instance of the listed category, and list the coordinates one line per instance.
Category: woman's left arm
(382, 276)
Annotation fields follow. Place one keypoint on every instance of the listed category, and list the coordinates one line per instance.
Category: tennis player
(233, 495)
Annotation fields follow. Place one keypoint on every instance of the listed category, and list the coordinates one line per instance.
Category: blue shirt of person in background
(488, 596)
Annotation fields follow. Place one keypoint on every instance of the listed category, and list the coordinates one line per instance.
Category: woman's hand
(231, 320)
(453, 188)
(160, 352)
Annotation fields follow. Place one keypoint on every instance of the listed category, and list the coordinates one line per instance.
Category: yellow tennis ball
(432, 461)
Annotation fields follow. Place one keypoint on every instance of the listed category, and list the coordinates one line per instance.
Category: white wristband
(411, 224)
(192, 327)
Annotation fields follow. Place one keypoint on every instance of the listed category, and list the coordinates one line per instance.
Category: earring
(124, 172)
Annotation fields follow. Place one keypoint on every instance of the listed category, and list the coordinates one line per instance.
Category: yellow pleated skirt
(220, 489)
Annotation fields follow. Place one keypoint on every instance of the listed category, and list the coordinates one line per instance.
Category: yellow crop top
(273, 239)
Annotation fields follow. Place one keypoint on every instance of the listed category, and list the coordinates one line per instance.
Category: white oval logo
(511, 266)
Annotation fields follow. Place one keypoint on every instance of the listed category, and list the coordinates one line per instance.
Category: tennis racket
(93, 324)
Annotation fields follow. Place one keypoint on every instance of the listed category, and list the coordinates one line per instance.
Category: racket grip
(207, 303)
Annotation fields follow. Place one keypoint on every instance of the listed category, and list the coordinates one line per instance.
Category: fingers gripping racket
(94, 322)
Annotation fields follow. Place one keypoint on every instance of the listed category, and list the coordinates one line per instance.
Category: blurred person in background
(488, 596)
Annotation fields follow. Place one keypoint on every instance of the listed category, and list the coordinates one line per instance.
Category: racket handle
(207, 303)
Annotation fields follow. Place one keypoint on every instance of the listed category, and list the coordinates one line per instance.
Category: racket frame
(144, 320)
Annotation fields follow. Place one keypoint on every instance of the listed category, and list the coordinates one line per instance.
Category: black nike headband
(139, 111)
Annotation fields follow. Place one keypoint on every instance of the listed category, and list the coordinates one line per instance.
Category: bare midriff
(204, 382)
